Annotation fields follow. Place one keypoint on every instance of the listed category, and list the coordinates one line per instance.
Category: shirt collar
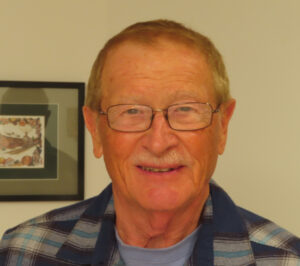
(222, 238)
(93, 231)
(225, 238)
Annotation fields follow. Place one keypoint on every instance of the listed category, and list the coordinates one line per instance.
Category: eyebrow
(185, 94)
(175, 96)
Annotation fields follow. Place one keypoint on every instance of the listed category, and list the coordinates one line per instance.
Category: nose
(160, 138)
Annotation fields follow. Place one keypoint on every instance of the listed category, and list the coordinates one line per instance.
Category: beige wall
(57, 40)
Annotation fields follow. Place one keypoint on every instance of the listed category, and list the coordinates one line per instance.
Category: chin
(161, 199)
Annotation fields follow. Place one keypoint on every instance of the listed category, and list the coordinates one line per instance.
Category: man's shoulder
(241, 234)
(42, 236)
(66, 214)
(49, 229)
(268, 238)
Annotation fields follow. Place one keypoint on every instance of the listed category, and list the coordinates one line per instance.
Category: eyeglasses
(137, 117)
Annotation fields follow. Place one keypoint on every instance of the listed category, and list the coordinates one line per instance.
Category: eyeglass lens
(187, 116)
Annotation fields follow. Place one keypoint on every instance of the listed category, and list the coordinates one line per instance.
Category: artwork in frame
(41, 140)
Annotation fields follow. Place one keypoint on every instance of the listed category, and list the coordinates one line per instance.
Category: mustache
(168, 158)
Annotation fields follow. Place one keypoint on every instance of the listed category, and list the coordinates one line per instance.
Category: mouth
(159, 169)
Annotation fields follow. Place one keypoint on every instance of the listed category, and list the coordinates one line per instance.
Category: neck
(157, 229)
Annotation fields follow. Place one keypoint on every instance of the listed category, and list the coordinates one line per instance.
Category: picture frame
(41, 141)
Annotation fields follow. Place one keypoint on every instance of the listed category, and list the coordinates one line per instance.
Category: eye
(184, 109)
(132, 111)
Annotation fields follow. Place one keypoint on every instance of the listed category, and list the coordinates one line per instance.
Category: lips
(159, 169)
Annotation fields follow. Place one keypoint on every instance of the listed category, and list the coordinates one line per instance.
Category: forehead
(138, 72)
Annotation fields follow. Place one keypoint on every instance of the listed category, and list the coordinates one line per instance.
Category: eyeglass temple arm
(217, 109)
(101, 112)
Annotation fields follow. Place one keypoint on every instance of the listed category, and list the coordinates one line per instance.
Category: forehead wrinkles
(134, 56)
(156, 77)
(132, 63)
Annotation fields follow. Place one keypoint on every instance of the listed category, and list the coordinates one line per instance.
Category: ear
(226, 114)
(91, 122)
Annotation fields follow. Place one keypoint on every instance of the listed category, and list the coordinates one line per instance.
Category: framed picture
(41, 140)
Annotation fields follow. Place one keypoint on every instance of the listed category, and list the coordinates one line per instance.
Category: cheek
(118, 146)
(201, 143)
(203, 149)
(115, 154)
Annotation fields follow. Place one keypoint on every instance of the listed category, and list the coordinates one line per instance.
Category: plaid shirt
(83, 234)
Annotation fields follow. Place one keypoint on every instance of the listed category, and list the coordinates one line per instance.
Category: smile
(158, 170)
(150, 169)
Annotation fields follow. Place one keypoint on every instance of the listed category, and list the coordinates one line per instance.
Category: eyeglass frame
(165, 114)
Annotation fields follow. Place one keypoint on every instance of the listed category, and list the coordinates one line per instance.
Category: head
(148, 33)
(158, 64)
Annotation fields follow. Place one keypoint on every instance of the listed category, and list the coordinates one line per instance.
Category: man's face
(158, 76)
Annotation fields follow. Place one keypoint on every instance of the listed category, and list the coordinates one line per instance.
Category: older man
(158, 108)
